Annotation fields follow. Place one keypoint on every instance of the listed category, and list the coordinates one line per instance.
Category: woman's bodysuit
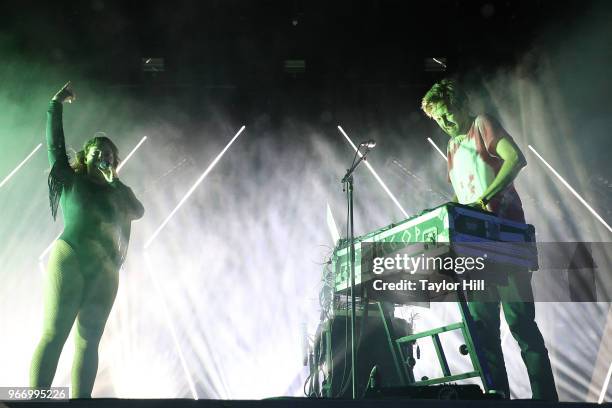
(96, 216)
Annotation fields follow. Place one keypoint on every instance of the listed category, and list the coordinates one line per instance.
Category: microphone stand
(347, 180)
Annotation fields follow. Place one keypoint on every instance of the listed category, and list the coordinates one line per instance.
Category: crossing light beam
(20, 165)
(376, 176)
(431, 142)
(571, 189)
(193, 187)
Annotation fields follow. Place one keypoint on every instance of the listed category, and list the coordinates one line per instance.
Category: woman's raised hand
(66, 94)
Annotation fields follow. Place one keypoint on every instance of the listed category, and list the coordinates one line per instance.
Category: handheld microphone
(104, 165)
(370, 144)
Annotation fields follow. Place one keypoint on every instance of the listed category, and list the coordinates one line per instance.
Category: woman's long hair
(56, 181)
(78, 162)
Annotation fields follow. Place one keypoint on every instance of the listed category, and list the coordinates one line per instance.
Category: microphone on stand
(370, 144)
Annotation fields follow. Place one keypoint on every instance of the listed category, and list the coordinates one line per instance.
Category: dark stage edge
(298, 402)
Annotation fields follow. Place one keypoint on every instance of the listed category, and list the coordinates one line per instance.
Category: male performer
(483, 161)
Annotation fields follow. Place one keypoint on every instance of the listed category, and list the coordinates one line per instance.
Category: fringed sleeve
(131, 205)
(124, 240)
(61, 173)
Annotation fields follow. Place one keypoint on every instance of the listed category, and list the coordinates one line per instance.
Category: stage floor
(296, 402)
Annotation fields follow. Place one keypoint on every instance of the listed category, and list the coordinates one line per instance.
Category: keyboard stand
(471, 347)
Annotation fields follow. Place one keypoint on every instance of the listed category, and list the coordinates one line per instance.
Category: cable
(342, 382)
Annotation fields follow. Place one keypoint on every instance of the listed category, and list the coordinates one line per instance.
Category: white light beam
(46, 251)
(383, 185)
(192, 189)
(19, 166)
(168, 319)
(437, 148)
(130, 154)
(606, 383)
(332, 226)
(571, 189)
(439, 62)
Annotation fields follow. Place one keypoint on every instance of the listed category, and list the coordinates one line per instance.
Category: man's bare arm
(514, 161)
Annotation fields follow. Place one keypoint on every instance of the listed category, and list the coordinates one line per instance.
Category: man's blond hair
(446, 91)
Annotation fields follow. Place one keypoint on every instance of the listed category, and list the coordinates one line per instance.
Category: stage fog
(225, 298)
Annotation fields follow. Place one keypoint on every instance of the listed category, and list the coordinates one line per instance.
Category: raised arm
(61, 173)
(56, 145)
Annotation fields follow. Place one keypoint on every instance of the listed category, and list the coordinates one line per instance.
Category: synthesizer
(451, 229)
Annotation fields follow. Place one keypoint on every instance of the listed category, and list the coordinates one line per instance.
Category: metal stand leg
(327, 390)
(468, 330)
(393, 346)
(470, 335)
